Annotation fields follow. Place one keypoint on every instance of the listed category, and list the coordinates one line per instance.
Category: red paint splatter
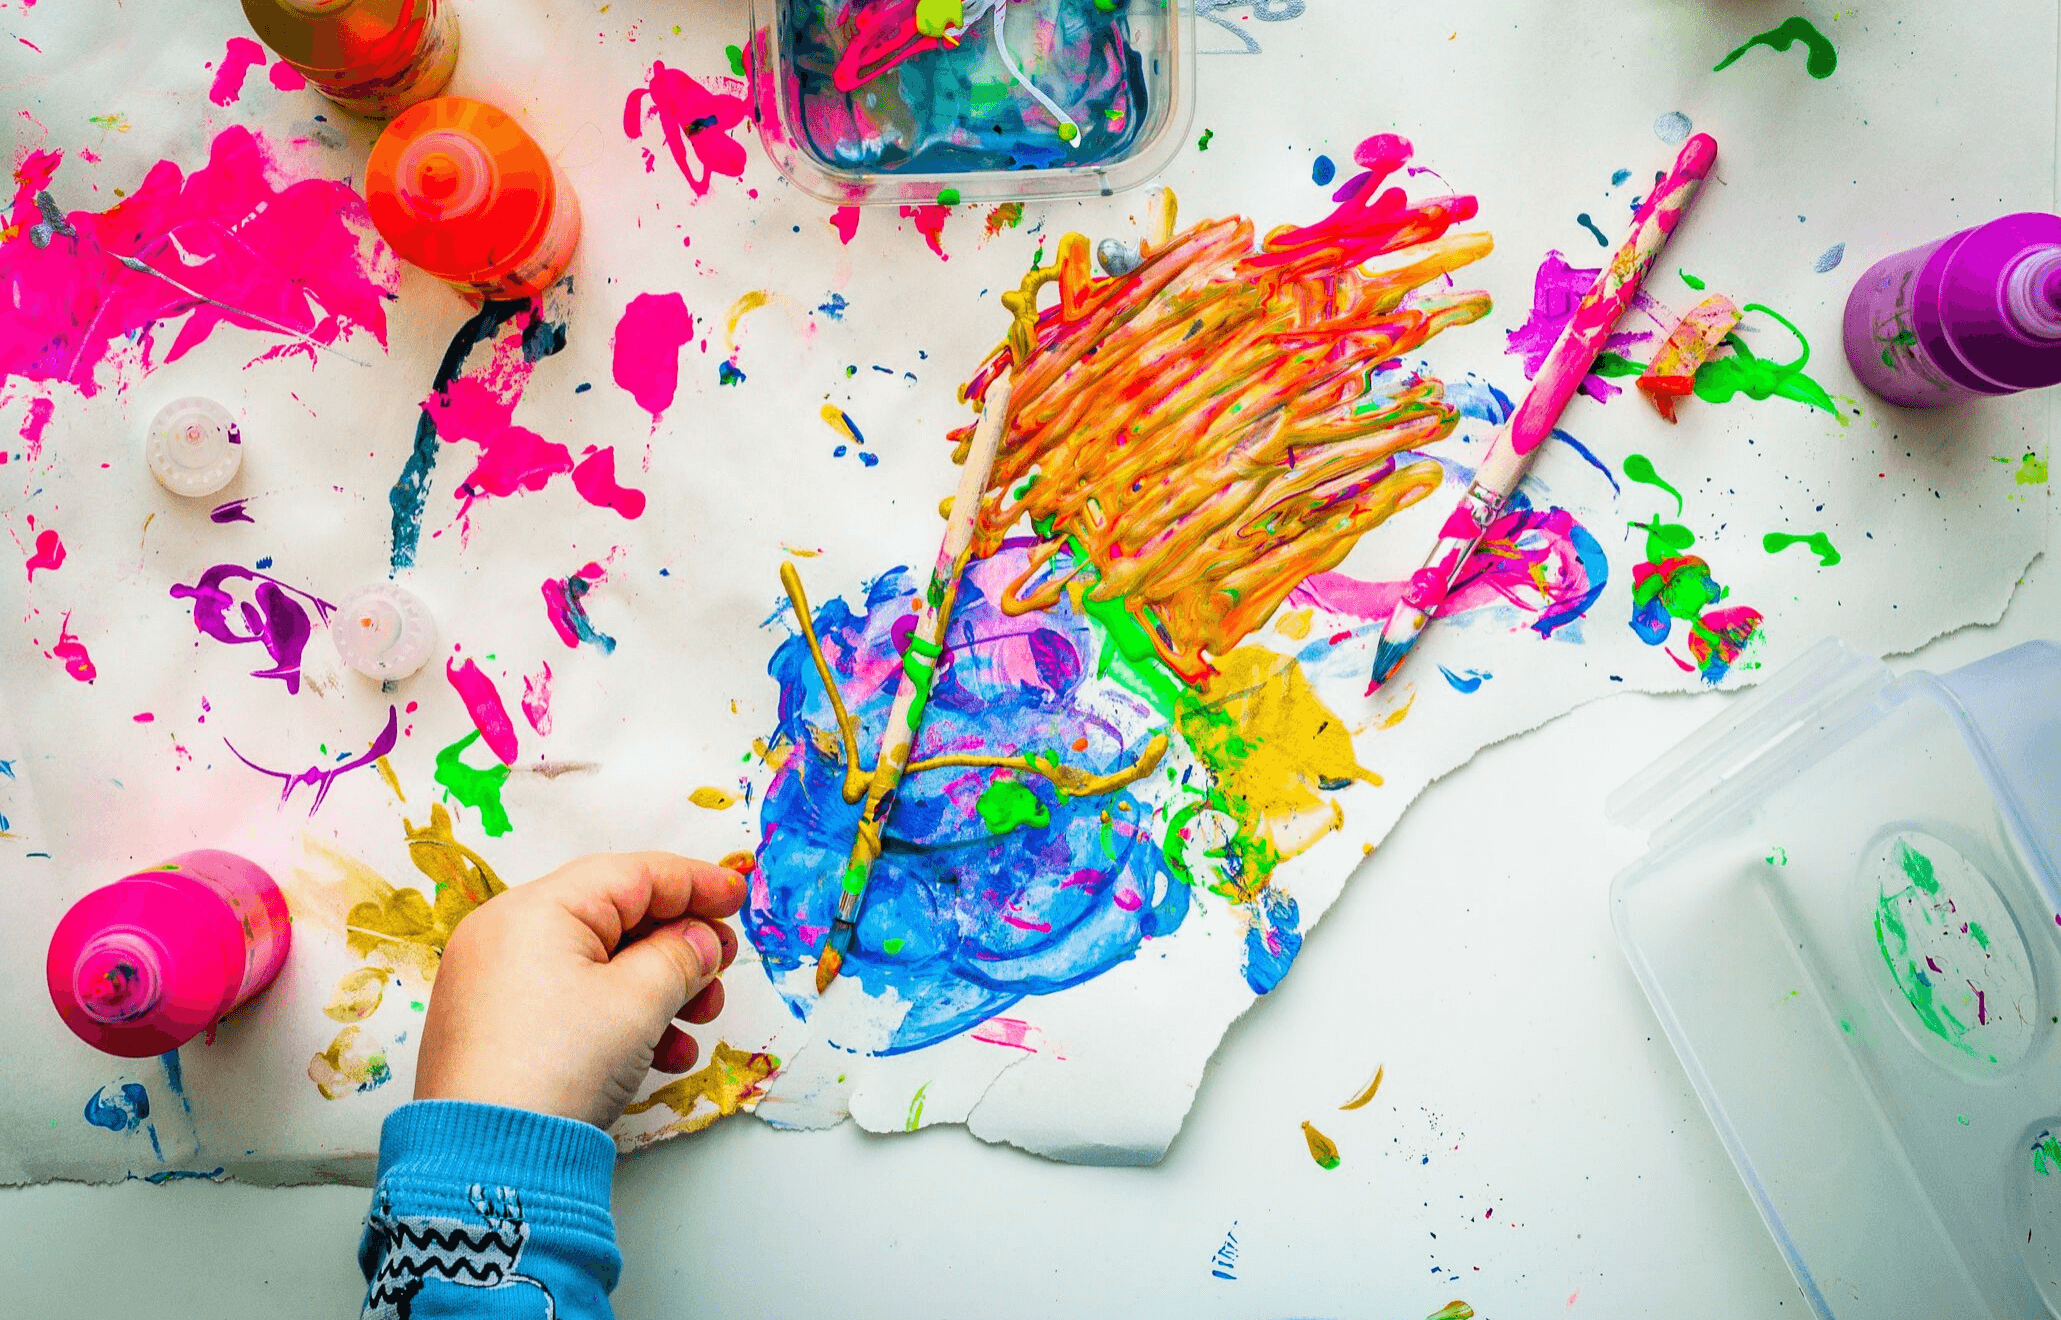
(648, 339)
(242, 55)
(49, 552)
(221, 246)
(483, 702)
(73, 652)
(690, 115)
(595, 480)
(930, 222)
(845, 220)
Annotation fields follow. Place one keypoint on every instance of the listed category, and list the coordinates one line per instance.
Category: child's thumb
(669, 966)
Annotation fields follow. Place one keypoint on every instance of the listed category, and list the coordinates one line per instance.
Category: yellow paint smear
(347, 1065)
(712, 799)
(740, 309)
(732, 1080)
(1360, 1101)
(1293, 624)
(358, 995)
(404, 926)
(1322, 1150)
(393, 783)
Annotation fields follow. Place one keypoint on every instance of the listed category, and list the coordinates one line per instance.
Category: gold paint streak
(743, 307)
(798, 552)
(733, 1079)
(342, 1068)
(1322, 1149)
(359, 993)
(403, 925)
(393, 783)
(1360, 1101)
(1070, 780)
(712, 799)
(855, 777)
(1294, 624)
(1399, 714)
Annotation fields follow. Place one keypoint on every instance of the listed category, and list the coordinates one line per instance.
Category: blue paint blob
(1617, 180)
(727, 373)
(123, 1111)
(1590, 225)
(869, 459)
(1469, 682)
(1828, 260)
(1323, 171)
(1272, 941)
(982, 919)
(834, 307)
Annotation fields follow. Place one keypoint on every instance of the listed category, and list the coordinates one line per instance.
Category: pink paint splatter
(72, 651)
(690, 115)
(1556, 291)
(222, 246)
(287, 78)
(536, 700)
(145, 718)
(483, 701)
(564, 606)
(595, 480)
(40, 412)
(930, 222)
(481, 409)
(845, 220)
(648, 339)
(49, 552)
(243, 55)
(1014, 1033)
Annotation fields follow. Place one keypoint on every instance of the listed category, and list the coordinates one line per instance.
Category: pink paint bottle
(1974, 315)
(147, 963)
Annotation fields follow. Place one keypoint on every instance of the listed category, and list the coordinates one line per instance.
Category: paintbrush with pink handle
(1518, 441)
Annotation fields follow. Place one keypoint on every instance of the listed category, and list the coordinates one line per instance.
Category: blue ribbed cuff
(448, 1146)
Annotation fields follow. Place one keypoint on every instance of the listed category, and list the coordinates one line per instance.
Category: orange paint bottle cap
(459, 189)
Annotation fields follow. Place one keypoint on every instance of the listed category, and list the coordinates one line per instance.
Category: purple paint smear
(1556, 291)
(273, 618)
(322, 778)
(232, 511)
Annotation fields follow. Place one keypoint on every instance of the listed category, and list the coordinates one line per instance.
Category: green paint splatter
(1820, 58)
(1917, 867)
(736, 54)
(1006, 805)
(893, 945)
(1962, 1119)
(478, 789)
(1979, 935)
(2032, 469)
(915, 1108)
(416, 1004)
(855, 874)
(1893, 939)
(1846, 1025)
(919, 663)
(1202, 143)
(1068, 132)
(934, 18)
(1666, 541)
(1779, 857)
(2046, 1154)
(1690, 280)
(948, 197)
(1761, 378)
(1819, 543)
(1640, 469)
(1614, 365)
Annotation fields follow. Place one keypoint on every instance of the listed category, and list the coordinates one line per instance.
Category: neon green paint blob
(893, 945)
(1665, 540)
(1779, 857)
(919, 663)
(1614, 365)
(736, 54)
(855, 879)
(1067, 132)
(1820, 59)
(915, 1119)
(1692, 281)
(478, 789)
(2046, 1154)
(1640, 468)
(2032, 469)
(934, 18)
(948, 197)
(1007, 805)
(1202, 143)
(1719, 379)
(1917, 868)
(1820, 545)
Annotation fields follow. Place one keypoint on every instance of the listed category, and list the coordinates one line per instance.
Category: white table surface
(1527, 1076)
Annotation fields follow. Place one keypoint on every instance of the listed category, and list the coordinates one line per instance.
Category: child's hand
(557, 996)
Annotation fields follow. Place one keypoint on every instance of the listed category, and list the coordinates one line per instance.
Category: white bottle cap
(383, 631)
(193, 448)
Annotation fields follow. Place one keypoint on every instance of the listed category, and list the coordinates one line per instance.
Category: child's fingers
(676, 1051)
(705, 1005)
(610, 893)
(668, 967)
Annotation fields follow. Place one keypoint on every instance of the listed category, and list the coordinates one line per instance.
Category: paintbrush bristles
(828, 964)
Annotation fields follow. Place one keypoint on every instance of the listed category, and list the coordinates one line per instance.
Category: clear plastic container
(1847, 924)
(1072, 98)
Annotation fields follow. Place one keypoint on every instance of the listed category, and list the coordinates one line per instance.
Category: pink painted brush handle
(1575, 352)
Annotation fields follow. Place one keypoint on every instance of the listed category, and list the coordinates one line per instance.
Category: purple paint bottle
(1974, 315)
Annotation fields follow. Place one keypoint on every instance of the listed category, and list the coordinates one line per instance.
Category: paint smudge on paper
(1368, 1092)
(48, 554)
(1818, 543)
(38, 421)
(352, 1064)
(223, 246)
(231, 511)
(358, 995)
(536, 699)
(690, 117)
(565, 606)
(394, 927)
(1673, 128)
(2032, 470)
(653, 330)
(1640, 468)
(1224, 1264)
(321, 777)
(472, 786)
(1820, 57)
(239, 59)
(595, 481)
(2046, 1154)
(845, 220)
(732, 1080)
(1322, 1149)
(72, 652)
(1828, 260)
(122, 1111)
(518, 333)
(1468, 682)
(276, 617)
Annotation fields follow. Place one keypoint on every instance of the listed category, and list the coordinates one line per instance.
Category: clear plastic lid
(896, 101)
(1847, 925)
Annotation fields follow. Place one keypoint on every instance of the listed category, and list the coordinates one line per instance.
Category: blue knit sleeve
(486, 1212)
